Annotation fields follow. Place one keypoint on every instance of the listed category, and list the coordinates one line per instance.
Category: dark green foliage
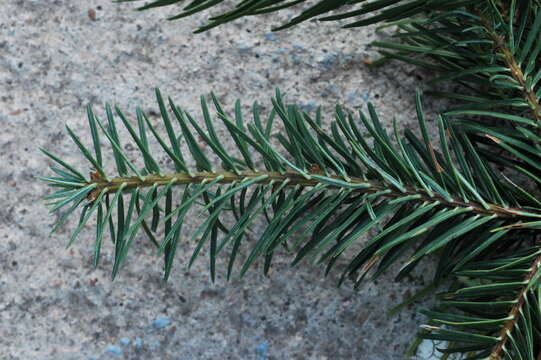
(493, 53)
(320, 192)
(468, 197)
(360, 181)
(351, 11)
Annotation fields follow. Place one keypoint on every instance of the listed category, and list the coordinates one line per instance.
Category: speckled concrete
(55, 57)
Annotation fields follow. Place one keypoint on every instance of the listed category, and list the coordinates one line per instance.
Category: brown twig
(294, 178)
(518, 75)
(516, 71)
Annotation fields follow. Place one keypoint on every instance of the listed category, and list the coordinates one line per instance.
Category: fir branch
(498, 303)
(307, 179)
(494, 59)
(314, 177)
(502, 42)
(515, 313)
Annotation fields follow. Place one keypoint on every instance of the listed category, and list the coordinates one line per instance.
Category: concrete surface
(55, 57)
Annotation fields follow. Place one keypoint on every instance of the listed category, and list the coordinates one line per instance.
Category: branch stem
(528, 94)
(294, 178)
(515, 68)
(514, 314)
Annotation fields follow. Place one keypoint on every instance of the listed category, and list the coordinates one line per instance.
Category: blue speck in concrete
(114, 350)
(310, 106)
(262, 349)
(352, 96)
(297, 59)
(244, 46)
(154, 345)
(160, 323)
(333, 89)
(277, 54)
(271, 36)
(138, 343)
(125, 341)
(328, 60)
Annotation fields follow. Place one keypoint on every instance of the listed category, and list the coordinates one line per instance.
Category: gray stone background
(56, 57)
